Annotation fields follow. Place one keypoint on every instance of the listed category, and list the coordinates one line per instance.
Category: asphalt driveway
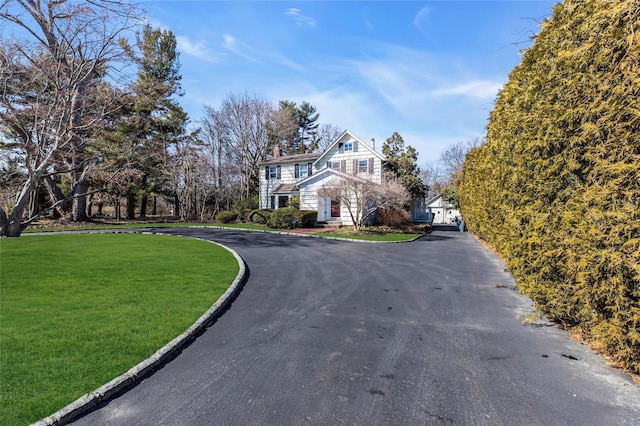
(330, 332)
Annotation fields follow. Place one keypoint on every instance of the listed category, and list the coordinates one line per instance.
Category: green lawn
(123, 225)
(382, 237)
(78, 310)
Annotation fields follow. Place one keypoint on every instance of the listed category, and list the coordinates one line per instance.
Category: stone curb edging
(133, 375)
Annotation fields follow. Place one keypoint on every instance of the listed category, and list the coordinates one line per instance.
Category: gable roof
(346, 134)
(432, 202)
(327, 171)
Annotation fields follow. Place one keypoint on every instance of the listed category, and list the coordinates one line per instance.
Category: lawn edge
(88, 401)
(286, 232)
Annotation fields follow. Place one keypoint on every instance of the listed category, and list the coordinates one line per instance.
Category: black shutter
(340, 147)
(266, 173)
(343, 166)
(371, 166)
(355, 146)
(296, 171)
(355, 167)
(309, 169)
(278, 172)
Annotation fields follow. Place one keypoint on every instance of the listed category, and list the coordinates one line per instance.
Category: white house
(441, 210)
(283, 177)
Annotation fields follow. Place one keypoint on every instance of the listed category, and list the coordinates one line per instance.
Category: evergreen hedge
(556, 187)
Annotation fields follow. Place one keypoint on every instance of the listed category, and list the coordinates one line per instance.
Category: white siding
(348, 157)
(348, 164)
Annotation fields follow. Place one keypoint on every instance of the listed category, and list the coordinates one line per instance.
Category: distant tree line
(89, 117)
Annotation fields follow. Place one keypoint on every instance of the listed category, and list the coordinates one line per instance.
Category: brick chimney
(276, 152)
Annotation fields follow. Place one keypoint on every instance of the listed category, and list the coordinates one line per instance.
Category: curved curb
(133, 375)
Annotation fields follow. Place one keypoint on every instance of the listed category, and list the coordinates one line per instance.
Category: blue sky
(429, 70)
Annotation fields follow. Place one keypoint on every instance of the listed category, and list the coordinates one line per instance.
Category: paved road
(330, 332)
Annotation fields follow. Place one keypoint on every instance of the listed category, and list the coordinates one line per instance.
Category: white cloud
(196, 49)
(231, 44)
(300, 19)
(484, 89)
(421, 18)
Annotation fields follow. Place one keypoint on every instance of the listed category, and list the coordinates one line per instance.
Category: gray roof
(293, 158)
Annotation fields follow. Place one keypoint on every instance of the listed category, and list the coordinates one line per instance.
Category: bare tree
(327, 134)
(452, 159)
(64, 51)
(433, 177)
(362, 198)
(220, 159)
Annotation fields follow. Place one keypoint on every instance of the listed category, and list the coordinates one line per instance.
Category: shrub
(306, 218)
(281, 218)
(260, 216)
(294, 202)
(243, 207)
(226, 216)
(394, 218)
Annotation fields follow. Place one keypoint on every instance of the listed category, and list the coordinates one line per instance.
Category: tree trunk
(33, 202)
(12, 225)
(143, 206)
(176, 203)
(79, 205)
(154, 209)
(131, 206)
(55, 195)
(118, 210)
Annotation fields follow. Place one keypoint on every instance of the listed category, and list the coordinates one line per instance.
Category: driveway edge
(353, 240)
(136, 373)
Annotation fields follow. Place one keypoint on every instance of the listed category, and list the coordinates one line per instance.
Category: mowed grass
(382, 238)
(78, 310)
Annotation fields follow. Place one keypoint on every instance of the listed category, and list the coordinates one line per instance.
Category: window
(283, 201)
(348, 146)
(363, 166)
(302, 170)
(272, 172)
(335, 165)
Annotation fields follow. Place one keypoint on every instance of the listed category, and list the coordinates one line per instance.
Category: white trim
(361, 145)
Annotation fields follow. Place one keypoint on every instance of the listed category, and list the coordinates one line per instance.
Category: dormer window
(348, 146)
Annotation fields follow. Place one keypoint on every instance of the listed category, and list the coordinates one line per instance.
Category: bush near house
(226, 216)
(394, 217)
(260, 216)
(280, 218)
(244, 207)
(306, 218)
(556, 187)
(283, 218)
(294, 202)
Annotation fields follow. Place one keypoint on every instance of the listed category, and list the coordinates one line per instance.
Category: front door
(335, 208)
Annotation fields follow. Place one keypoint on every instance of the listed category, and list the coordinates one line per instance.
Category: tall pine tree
(402, 164)
(153, 122)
